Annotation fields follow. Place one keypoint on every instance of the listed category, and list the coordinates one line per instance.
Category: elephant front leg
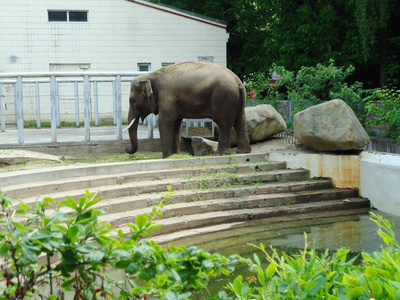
(166, 129)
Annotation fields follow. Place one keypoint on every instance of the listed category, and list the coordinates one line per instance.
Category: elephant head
(142, 102)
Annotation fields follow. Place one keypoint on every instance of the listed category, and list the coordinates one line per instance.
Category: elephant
(192, 90)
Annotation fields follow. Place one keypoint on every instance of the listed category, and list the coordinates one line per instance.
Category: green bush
(383, 108)
(311, 86)
(64, 248)
(327, 276)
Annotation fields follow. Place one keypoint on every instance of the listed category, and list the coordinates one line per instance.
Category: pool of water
(357, 233)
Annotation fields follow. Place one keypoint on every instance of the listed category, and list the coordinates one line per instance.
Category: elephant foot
(243, 150)
(223, 152)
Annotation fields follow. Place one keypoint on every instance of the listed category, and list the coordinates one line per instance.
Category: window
(144, 67)
(165, 64)
(206, 58)
(67, 16)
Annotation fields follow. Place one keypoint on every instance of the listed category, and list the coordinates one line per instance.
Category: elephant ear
(146, 88)
(148, 92)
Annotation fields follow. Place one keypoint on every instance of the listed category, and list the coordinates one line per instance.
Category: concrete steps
(208, 194)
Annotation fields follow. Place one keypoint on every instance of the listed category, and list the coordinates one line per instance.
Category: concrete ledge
(375, 174)
(55, 173)
(343, 169)
(73, 148)
(380, 180)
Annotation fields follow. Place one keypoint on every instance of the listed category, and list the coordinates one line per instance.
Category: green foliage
(383, 108)
(309, 275)
(311, 86)
(85, 249)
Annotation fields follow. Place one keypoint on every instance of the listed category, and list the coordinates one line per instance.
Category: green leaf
(20, 226)
(355, 292)
(270, 271)
(20, 211)
(244, 289)
(72, 233)
(122, 264)
(225, 271)
(121, 254)
(95, 256)
(69, 202)
(260, 276)
(4, 248)
(68, 285)
(29, 254)
(154, 228)
(141, 221)
(41, 234)
(91, 203)
(376, 289)
(207, 264)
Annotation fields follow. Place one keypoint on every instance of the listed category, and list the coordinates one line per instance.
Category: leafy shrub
(311, 86)
(327, 276)
(65, 248)
(383, 108)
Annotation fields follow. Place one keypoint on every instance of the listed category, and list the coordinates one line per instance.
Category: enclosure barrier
(54, 79)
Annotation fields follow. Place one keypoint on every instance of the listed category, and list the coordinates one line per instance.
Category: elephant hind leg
(224, 141)
(243, 140)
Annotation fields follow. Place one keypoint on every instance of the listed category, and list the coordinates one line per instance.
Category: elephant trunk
(133, 137)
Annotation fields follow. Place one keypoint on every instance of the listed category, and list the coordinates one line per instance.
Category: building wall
(119, 35)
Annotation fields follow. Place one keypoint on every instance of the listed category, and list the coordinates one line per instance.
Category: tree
(293, 34)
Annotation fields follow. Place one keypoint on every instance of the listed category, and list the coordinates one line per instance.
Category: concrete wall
(375, 174)
(380, 180)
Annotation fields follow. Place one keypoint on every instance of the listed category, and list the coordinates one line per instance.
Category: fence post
(114, 92)
(77, 121)
(37, 97)
(2, 108)
(54, 108)
(96, 104)
(150, 126)
(58, 105)
(20, 111)
(86, 91)
(15, 105)
(119, 107)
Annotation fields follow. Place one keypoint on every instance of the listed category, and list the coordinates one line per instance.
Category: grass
(69, 124)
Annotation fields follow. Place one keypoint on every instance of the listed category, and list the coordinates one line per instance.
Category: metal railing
(54, 79)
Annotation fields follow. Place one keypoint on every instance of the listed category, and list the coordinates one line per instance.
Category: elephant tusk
(130, 125)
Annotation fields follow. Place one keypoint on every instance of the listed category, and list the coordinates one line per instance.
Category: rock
(262, 122)
(14, 157)
(202, 146)
(330, 126)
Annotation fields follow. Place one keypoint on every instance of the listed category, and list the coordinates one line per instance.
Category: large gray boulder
(262, 122)
(330, 126)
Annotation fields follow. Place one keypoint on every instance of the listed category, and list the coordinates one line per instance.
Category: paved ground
(12, 153)
(68, 134)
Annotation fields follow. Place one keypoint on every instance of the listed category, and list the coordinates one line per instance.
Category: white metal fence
(49, 93)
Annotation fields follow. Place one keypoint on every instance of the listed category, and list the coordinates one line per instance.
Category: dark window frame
(71, 16)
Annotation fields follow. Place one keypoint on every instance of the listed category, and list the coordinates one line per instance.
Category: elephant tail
(242, 100)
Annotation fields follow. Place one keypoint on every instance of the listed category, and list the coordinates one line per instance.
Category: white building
(100, 35)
